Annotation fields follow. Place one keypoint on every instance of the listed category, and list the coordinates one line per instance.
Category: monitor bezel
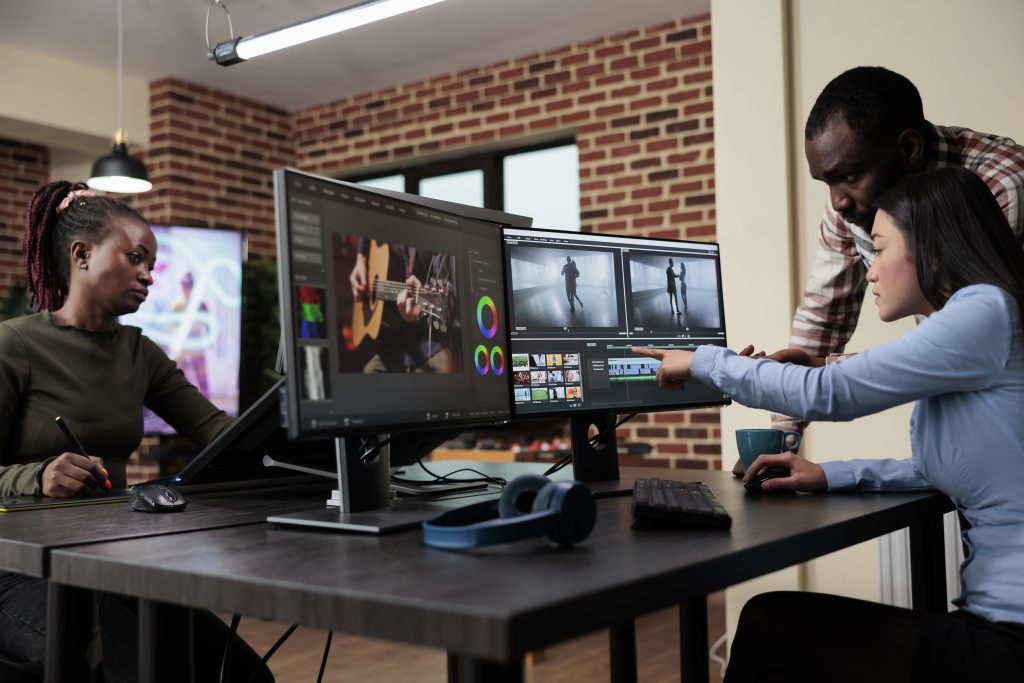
(282, 233)
(584, 412)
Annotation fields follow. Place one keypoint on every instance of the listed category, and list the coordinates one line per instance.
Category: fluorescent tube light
(241, 49)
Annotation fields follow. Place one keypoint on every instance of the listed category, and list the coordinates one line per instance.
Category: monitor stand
(597, 464)
(362, 502)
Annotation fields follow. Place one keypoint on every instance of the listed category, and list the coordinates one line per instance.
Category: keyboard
(689, 505)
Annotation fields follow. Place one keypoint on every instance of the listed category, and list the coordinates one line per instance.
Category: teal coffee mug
(754, 442)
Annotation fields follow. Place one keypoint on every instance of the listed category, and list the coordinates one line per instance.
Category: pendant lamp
(118, 171)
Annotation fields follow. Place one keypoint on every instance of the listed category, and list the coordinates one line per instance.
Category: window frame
(491, 162)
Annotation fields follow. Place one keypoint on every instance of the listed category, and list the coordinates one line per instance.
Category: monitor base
(400, 515)
(610, 489)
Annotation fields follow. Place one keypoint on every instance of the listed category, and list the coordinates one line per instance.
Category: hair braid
(48, 237)
(40, 218)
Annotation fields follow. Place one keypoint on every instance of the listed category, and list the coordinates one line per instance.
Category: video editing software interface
(395, 311)
(578, 302)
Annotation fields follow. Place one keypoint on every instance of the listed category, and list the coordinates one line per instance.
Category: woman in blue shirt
(943, 250)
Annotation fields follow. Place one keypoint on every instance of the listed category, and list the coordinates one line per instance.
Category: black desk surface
(28, 536)
(494, 603)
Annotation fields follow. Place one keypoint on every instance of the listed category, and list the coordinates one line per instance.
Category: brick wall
(210, 158)
(23, 168)
(639, 105)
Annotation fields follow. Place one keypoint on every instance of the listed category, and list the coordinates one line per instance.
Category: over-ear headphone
(530, 505)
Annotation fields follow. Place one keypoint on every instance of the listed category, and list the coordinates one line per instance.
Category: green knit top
(98, 382)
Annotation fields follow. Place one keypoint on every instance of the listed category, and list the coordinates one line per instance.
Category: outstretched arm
(963, 347)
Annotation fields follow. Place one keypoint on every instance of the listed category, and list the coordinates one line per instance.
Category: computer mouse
(754, 485)
(156, 498)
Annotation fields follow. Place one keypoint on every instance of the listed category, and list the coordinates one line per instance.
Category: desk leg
(463, 669)
(693, 640)
(68, 630)
(928, 566)
(622, 651)
(164, 640)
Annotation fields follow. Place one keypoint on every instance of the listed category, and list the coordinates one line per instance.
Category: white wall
(771, 59)
(753, 206)
(68, 106)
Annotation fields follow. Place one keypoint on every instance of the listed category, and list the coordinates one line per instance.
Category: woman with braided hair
(89, 260)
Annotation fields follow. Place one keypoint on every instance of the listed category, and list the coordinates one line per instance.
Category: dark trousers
(572, 296)
(795, 637)
(23, 634)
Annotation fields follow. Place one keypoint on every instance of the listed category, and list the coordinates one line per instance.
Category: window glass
(466, 187)
(545, 184)
(387, 182)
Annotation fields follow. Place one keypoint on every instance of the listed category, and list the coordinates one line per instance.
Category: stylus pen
(79, 448)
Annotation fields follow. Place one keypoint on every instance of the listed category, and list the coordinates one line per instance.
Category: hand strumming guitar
(408, 307)
(357, 278)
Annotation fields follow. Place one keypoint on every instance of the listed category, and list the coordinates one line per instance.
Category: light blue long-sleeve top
(964, 367)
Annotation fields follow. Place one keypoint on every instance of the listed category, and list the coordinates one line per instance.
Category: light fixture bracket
(225, 52)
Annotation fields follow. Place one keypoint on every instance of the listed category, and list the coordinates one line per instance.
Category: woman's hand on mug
(804, 475)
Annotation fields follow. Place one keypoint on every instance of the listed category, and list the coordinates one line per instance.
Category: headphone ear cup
(520, 495)
(575, 511)
(545, 497)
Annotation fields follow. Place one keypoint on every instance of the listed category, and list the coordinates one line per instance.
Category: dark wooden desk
(27, 539)
(488, 607)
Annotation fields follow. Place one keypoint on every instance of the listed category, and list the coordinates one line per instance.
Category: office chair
(20, 672)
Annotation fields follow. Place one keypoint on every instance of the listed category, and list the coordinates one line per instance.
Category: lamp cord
(120, 64)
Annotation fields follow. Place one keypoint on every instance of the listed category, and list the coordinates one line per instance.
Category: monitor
(393, 322)
(393, 312)
(578, 302)
(194, 311)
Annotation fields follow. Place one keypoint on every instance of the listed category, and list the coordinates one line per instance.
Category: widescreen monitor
(194, 311)
(577, 304)
(393, 312)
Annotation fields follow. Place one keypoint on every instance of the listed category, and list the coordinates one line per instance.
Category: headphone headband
(563, 511)
(479, 524)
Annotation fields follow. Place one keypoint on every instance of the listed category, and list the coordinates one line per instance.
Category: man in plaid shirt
(865, 131)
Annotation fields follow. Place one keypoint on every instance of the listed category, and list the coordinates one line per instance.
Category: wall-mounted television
(194, 311)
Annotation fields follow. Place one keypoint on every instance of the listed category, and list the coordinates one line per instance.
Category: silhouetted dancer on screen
(673, 301)
(570, 272)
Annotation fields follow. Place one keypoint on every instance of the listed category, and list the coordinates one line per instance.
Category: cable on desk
(723, 663)
(368, 453)
(225, 662)
(497, 481)
(271, 651)
(323, 662)
(594, 440)
(559, 465)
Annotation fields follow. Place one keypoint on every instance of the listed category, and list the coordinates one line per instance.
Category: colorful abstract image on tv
(194, 311)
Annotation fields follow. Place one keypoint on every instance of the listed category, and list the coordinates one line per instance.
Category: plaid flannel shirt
(827, 318)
